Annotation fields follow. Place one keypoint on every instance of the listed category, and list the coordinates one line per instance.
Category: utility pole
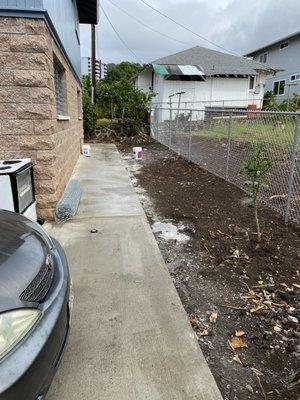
(93, 62)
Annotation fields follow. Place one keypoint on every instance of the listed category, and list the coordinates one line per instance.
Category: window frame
(279, 81)
(296, 79)
(252, 89)
(266, 54)
(287, 43)
(60, 89)
(79, 104)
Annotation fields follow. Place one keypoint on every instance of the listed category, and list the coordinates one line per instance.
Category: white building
(198, 78)
(101, 68)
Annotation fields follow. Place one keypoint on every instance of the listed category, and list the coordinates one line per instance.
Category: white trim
(295, 74)
(80, 118)
(280, 80)
(63, 118)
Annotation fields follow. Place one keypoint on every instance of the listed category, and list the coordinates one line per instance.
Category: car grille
(37, 290)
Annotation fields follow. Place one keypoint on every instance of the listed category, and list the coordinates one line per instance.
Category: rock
(250, 388)
(293, 319)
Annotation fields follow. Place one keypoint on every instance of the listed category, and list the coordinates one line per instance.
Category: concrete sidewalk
(130, 337)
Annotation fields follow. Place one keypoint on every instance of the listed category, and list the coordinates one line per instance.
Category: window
(284, 45)
(295, 77)
(251, 82)
(79, 104)
(278, 88)
(263, 58)
(59, 88)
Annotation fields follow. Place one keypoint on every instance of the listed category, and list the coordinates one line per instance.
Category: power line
(147, 26)
(188, 29)
(119, 36)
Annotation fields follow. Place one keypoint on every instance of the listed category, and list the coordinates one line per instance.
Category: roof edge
(272, 43)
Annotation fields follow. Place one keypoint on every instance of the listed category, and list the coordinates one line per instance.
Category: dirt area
(211, 152)
(242, 299)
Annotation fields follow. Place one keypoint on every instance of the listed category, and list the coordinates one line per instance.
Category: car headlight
(14, 325)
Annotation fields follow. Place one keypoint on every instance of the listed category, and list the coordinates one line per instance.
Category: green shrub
(90, 110)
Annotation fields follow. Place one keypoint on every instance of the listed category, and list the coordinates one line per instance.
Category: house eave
(263, 48)
(88, 11)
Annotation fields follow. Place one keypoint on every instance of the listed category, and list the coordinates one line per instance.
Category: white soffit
(190, 70)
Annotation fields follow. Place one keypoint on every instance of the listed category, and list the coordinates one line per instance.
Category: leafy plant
(257, 169)
(124, 70)
(121, 100)
(270, 103)
(90, 110)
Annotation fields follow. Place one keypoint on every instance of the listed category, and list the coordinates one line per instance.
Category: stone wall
(29, 126)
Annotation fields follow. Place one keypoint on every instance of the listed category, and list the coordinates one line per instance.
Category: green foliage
(122, 100)
(270, 103)
(124, 70)
(116, 98)
(90, 110)
(257, 169)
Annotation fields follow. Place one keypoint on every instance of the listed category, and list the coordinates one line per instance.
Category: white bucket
(86, 150)
(137, 149)
(138, 153)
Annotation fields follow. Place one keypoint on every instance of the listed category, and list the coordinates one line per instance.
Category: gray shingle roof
(215, 62)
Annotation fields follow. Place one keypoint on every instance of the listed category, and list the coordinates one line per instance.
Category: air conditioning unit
(17, 187)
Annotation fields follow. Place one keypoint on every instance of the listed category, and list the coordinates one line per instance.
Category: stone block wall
(29, 125)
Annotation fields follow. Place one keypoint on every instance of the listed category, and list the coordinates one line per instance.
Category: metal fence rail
(221, 141)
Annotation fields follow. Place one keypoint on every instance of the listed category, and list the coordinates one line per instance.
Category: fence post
(228, 146)
(292, 169)
(190, 136)
(170, 132)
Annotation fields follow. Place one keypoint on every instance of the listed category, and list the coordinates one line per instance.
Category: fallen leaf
(256, 309)
(296, 285)
(235, 254)
(237, 359)
(204, 333)
(236, 343)
(213, 317)
(257, 372)
(240, 333)
(194, 320)
(277, 328)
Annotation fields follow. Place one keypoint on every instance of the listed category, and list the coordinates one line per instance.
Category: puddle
(168, 231)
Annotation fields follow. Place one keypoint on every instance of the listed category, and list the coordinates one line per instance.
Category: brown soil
(222, 269)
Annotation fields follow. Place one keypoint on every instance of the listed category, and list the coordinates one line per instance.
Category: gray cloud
(237, 25)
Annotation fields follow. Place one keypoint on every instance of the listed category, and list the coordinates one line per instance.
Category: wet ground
(242, 298)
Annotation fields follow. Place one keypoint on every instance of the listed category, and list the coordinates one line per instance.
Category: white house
(198, 78)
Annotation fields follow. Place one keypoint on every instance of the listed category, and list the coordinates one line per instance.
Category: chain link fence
(221, 141)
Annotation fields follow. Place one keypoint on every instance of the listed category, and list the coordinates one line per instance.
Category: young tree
(124, 70)
(122, 100)
(257, 169)
(90, 110)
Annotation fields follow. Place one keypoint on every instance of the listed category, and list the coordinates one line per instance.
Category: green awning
(160, 69)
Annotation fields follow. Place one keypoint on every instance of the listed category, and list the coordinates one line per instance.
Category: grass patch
(279, 133)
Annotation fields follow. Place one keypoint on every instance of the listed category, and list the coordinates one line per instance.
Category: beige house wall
(29, 125)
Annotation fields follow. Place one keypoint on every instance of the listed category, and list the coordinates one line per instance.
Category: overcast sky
(237, 25)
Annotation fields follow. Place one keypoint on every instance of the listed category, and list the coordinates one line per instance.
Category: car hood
(24, 247)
